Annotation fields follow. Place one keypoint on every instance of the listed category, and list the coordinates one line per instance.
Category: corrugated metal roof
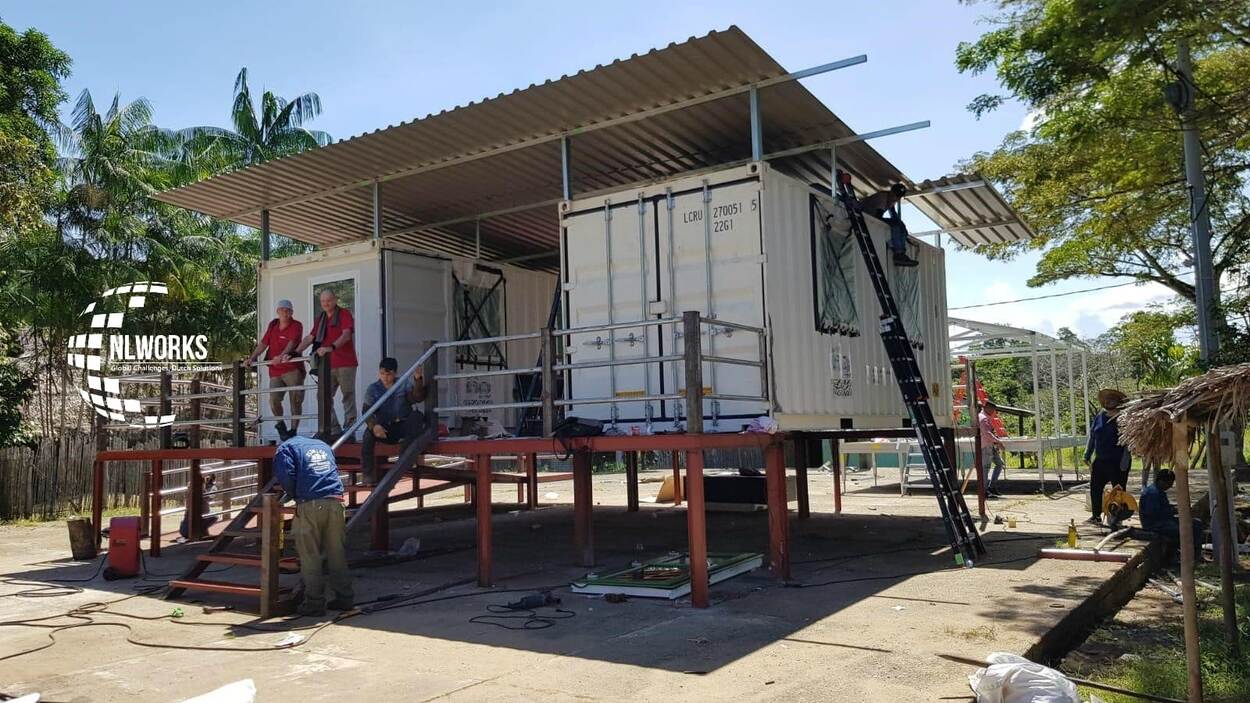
(969, 210)
(440, 172)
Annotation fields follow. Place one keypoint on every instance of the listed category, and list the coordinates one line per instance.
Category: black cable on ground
(49, 588)
(520, 618)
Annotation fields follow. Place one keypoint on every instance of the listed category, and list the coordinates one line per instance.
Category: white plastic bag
(1014, 679)
(238, 692)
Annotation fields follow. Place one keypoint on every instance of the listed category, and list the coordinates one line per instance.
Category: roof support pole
(1076, 463)
(1057, 430)
(1085, 389)
(566, 155)
(377, 210)
(1037, 416)
(477, 239)
(833, 170)
(757, 135)
(265, 244)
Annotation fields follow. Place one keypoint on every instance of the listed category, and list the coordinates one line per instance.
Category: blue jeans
(1171, 529)
(993, 456)
(898, 235)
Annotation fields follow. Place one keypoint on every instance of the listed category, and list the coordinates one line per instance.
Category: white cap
(286, 304)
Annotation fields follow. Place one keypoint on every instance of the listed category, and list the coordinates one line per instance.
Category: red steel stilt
(778, 511)
(676, 480)
(483, 520)
(696, 527)
(583, 537)
(835, 454)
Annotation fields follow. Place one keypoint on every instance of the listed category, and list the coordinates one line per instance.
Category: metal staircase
(960, 529)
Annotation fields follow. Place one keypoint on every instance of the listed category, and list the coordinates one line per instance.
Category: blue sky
(382, 62)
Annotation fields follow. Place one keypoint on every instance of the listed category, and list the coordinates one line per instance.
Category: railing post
(236, 412)
(270, 553)
(693, 355)
(195, 489)
(325, 402)
(145, 504)
(97, 481)
(430, 375)
(549, 381)
(166, 408)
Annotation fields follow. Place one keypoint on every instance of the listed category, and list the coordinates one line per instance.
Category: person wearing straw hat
(283, 333)
(1108, 461)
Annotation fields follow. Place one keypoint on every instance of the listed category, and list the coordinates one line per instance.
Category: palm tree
(277, 131)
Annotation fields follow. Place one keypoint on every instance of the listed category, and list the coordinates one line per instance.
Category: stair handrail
(351, 431)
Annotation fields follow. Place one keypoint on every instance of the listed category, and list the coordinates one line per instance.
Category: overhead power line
(1060, 295)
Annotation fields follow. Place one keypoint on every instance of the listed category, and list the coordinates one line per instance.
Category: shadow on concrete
(838, 561)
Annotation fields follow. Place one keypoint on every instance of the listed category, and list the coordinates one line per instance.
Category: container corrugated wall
(805, 361)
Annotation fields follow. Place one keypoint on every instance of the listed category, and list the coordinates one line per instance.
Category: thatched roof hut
(1220, 395)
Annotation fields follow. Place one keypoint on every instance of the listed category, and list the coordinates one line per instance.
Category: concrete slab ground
(879, 600)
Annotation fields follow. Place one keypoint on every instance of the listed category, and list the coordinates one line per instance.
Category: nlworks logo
(118, 353)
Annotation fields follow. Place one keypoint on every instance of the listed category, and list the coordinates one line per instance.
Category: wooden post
(531, 478)
(549, 380)
(155, 484)
(145, 505)
(97, 480)
(380, 526)
(1180, 462)
(631, 481)
(693, 358)
(583, 534)
(237, 436)
(482, 464)
(270, 554)
(696, 529)
(325, 401)
(195, 487)
(1227, 540)
(778, 511)
(835, 458)
(676, 478)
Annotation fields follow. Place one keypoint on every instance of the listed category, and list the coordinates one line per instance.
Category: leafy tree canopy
(1099, 176)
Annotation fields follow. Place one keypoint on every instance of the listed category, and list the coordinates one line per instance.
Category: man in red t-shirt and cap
(280, 338)
(332, 333)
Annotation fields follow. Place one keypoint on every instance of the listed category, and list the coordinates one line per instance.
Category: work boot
(311, 609)
(901, 259)
(340, 604)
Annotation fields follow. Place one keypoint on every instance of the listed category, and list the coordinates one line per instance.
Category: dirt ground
(880, 601)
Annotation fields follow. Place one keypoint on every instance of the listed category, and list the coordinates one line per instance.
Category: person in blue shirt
(1110, 461)
(396, 421)
(307, 471)
(1158, 515)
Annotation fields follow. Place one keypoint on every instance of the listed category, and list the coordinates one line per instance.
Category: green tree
(260, 132)
(1099, 176)
(1146, 340)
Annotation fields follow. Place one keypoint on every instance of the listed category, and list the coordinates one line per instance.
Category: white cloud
(1088, 314)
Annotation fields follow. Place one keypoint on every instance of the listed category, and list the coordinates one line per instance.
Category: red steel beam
(583, 537)
(696, 529)
(484, 556)
(531, 475)
(676, 479)
(631, 482)
(155, 483)
(778, 511)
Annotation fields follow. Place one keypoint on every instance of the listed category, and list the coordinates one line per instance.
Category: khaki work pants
(290, 378)
(343, 378)
(319, 540)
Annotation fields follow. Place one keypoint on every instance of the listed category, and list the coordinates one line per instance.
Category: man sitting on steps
(396, 421)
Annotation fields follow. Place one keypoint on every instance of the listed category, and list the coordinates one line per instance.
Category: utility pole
(1181, 96)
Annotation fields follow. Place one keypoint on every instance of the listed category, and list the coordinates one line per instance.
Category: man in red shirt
(280, 337)
(332, 334)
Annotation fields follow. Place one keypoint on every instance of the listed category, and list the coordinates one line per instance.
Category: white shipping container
(743, 245)
(401, 298)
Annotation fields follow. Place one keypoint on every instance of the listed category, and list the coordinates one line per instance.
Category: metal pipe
(1084, 555)
(566, 187)
(616, 326)
(607, 233)
(1037, 417)
(710, 306)
(730, 360)
(618, 362)
(643, 298)
(351, 431)
(731, 325)
(601, 401)
(671, 309)
(1113, 535)
(377, 210)
(757, 136)
(490, 406)
(491, 372)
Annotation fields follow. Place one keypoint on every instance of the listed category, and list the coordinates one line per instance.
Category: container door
(710, 246)
(611, 279)
(415, 309)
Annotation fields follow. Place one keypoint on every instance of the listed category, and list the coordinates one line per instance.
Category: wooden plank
(583, 537)
(696, 530)
(835, 454)
(676, 479)
(154, 519)
(631, 482)
(531, 475)
(238, 589)
(484, 555)
(778, 511)
(270, 553)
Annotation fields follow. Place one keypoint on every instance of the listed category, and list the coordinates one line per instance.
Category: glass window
(833, 269)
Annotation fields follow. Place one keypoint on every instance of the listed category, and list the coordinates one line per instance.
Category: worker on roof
(889, 202)
(280, 339)
(1158, 515)
(1110, 461)
(307, 471)
(992, 447)
(395, 421)
(332, 334)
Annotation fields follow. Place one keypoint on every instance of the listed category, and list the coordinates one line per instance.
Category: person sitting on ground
(1110, 461)
(396, 421)
(992, 447)
(307, 471)
(889, 202)
(1158, 515)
